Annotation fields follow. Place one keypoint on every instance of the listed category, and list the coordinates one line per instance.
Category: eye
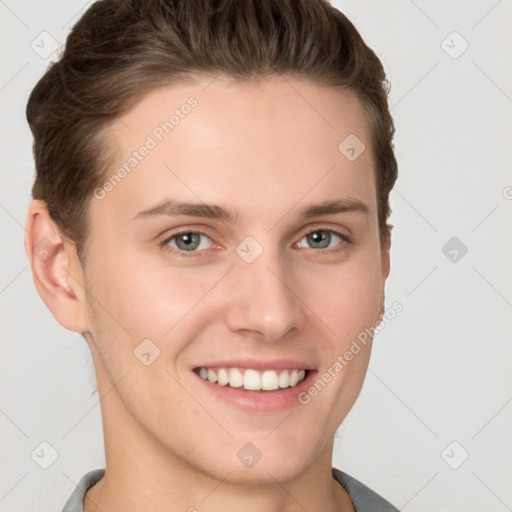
(193, 243)
(186, 241)
(322, 239)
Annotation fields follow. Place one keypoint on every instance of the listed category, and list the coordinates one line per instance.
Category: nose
(263, 299)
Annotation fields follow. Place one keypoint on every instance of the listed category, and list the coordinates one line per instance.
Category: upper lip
(273, 364)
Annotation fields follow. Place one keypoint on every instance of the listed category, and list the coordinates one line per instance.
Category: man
(211, 200)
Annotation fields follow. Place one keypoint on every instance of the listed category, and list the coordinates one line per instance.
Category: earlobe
(53, 267)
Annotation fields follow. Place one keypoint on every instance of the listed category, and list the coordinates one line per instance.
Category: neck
(143, 491)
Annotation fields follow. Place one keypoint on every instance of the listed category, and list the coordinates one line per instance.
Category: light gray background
(440, 371)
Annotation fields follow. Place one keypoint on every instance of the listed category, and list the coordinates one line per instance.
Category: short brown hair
(120, 50)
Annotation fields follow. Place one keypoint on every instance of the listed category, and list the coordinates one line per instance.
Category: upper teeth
(253, 379)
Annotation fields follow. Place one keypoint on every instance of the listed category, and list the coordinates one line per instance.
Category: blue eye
(187, 241)
(322, 238)
(195, 243)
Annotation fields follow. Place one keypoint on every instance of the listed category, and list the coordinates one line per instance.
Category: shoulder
(363, 498)
(75, 502)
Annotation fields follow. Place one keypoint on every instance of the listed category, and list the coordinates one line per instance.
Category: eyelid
(323, 227)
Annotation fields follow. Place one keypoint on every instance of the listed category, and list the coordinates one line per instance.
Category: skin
(263, 151)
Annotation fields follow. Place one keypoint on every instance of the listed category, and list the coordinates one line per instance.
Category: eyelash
(188, 254)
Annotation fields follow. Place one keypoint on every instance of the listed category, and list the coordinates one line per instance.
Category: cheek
(345, 297)
(168, 306)
(347, 302)
(150, 301)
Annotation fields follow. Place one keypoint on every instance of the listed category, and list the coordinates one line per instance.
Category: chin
(259, 461)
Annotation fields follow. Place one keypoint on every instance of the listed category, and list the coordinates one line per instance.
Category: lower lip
(260, 401)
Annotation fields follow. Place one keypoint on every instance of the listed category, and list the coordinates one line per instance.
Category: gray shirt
(363, 498)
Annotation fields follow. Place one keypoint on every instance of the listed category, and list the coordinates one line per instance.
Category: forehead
(240, 144)
(265, 108)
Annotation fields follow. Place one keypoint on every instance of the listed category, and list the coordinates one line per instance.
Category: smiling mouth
(253, 380)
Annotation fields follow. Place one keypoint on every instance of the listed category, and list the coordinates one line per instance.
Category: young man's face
(263, 288)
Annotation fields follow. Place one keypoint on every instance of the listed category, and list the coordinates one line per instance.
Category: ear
(385, 269)
(385, 257)
(56, 269)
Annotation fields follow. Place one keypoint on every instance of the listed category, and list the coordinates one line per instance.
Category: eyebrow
(211, 211)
